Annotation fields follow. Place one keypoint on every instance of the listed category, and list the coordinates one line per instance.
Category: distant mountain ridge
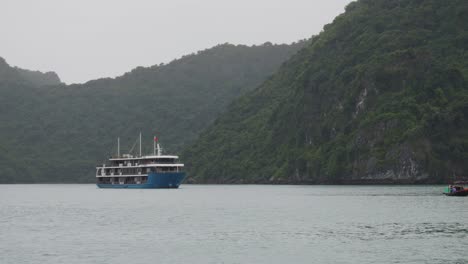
(59, 133)
(380, 96)
(33, 78)
(39, 78)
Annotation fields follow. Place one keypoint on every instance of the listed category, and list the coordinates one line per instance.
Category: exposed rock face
(404, 169)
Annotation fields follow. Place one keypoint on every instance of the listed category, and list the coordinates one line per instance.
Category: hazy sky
(88, 39)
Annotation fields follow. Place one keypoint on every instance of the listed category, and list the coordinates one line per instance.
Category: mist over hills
(380, 96)
(51, 132)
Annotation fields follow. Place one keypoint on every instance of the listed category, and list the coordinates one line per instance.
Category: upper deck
(130, 166)
(143, 161)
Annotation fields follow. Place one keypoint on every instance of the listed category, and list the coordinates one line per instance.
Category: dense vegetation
(381, 95)
(59, 133)
(21, 76)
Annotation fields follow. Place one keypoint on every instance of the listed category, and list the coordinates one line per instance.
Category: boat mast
(118, 147)
(140, 144)
(156, 148)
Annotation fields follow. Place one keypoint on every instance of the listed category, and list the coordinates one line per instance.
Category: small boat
(457, 189)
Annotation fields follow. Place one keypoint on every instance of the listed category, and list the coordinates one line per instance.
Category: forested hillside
(380, 96)
(15, 75)
(59, 133)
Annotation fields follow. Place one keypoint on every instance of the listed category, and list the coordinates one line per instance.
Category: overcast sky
(83, 40)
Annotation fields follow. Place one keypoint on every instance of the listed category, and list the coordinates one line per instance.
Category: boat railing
(460, 183)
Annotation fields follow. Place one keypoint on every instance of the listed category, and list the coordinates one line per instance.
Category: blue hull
(155, 180)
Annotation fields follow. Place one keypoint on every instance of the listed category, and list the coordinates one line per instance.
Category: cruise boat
(141, 171)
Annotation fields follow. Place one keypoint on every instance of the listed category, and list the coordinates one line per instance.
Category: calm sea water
(232, 224)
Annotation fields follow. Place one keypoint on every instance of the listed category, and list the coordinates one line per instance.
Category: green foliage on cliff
(60, 133)
(381, 95)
